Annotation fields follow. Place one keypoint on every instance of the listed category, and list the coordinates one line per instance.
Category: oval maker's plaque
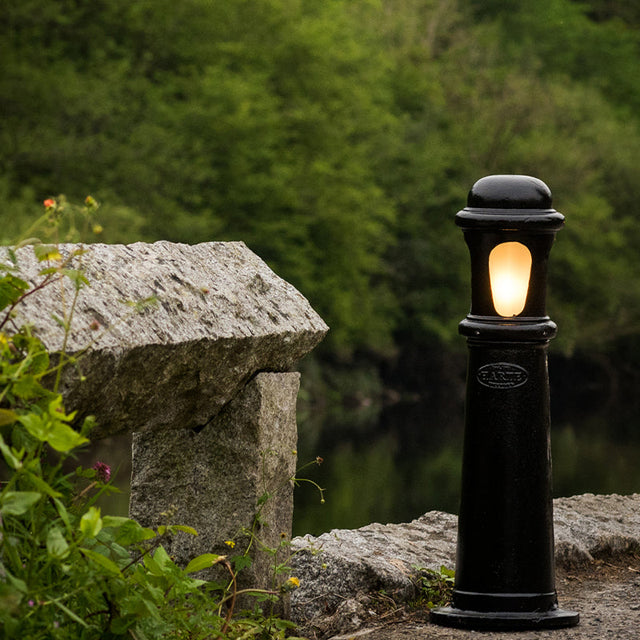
(502, 375)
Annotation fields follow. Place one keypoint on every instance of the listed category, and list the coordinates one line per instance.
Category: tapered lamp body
(505, 572)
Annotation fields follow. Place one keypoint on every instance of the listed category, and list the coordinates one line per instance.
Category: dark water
(393, 461)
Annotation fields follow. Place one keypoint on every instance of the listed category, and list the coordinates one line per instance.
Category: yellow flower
(230, 543)
(291, 584)
(97, 229)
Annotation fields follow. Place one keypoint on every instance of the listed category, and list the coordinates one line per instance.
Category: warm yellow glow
(509, 271)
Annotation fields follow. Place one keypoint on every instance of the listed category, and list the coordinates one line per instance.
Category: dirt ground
(607, 596)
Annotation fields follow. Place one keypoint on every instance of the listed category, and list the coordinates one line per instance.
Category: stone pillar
(215, 479)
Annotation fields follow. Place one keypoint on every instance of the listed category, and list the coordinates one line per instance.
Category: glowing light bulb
(509, 273)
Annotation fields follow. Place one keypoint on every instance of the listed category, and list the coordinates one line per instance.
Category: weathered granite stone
(352, 564)
(213, 479)
(590, 526)
(340, 570)
(221, 315)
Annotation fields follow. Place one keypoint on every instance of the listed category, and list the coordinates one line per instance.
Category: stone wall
(191, 348)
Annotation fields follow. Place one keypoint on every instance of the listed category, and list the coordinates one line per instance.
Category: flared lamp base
(503, 620)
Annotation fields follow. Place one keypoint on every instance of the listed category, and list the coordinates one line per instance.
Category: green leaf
(58, 320)
(11, 290)
(57, 410)
(128, 531)
(43, 486)
(241, 562)
(449, 573)
(184, 528)
(57, 546)
(63, 438)
(77, 277)
(46, 252)
(71, 614)
(87, 425)
(17, 583)
(51, 428)
(16, 503)
(62, 512)
(163, 560)
(91, 522)
(102, 561)
(35, 424)
(13, 458)
(152, 566)
(263, 498)
(173, 528)
(7, 416)
(116, 521)
(39, 358)
(203, 561)
(27, 387)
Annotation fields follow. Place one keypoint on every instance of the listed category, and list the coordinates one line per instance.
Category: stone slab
(347, 564)
(220, 315)
(589, 527)
(214, 479)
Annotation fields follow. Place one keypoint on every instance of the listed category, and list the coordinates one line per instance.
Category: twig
(232, 605)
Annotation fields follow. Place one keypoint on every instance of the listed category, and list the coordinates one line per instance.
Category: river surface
(393, 461)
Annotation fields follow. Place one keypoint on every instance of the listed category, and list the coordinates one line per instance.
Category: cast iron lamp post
(505, 570)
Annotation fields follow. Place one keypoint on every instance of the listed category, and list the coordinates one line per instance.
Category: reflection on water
(404, 462)
(394, 463)
(406, 459)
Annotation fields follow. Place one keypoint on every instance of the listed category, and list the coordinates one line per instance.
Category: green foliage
(337, 139)
(434, 587)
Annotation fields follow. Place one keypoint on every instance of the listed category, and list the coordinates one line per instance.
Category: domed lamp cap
(509, 192)
(510, 202)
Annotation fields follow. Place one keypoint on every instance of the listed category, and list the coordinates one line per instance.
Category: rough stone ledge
(590, 527)
(340, 570)
(221, 315)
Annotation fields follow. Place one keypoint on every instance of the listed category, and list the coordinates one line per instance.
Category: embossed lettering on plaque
(502, 375)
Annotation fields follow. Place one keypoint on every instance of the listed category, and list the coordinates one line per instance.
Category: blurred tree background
(338, 138)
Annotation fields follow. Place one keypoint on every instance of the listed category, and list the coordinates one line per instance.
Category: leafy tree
(337, 139)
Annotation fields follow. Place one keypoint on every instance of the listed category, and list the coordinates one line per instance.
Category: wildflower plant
(434, 587)
(68, 571)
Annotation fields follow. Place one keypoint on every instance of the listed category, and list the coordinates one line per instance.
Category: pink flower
(103, 471)
(49, 203)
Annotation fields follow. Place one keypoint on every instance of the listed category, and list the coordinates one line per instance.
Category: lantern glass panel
(509, 273)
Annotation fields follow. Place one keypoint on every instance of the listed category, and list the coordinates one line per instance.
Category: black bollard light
(505, 569)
